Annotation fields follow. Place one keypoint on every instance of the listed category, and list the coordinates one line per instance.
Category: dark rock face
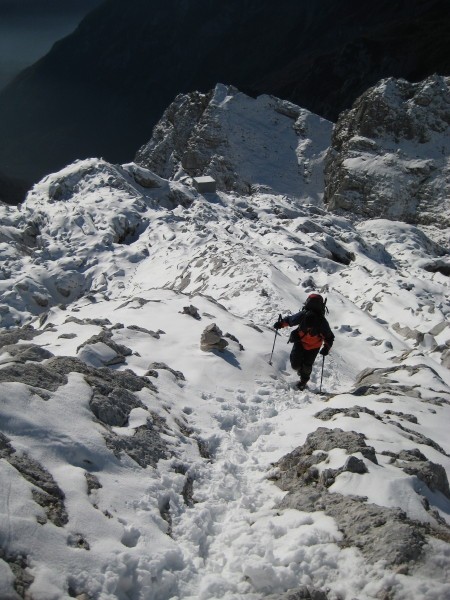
(320, 55)
(383, 160)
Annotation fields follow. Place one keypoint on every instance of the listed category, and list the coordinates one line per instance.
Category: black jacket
(313, 330)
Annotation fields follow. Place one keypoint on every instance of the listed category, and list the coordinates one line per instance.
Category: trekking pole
(321, 379)
(280, 318)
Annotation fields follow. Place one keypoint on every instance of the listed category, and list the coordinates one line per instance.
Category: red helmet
(317, 297)
(316, 303)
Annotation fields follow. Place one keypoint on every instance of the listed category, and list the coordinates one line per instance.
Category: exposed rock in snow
(305, 592)
(446, 358)
(192, 311)
(160, 365)
(146, 447)
(144, 177)
(13, 335)
(414, 462)
(440, 265)
(389, 155)
(34, 375)
(154, 334)
(211, 339)
(396, 380)
(408, 333)
(45, 491)
(21, 353)
(381, 533)
(115, 407)
(102, 350)
(329, 413)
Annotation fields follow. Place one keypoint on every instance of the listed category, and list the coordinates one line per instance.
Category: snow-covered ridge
(246, 144)
(140, 467)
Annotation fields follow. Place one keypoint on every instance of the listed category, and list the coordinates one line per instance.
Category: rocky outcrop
(192, 311)
(389, 154)
(165, 150)
(34, 375)
(13, 335)
(211, 134)
(102, 350)
(146, 447)
(413, 462)
(381, 533)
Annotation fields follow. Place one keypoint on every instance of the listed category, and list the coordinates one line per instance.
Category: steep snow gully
(136, 466)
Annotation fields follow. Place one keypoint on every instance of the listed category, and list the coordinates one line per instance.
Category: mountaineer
(313, 332)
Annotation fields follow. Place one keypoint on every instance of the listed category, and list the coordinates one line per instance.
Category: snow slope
(135, 466)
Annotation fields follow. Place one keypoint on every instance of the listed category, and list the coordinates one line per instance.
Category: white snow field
(101, 269)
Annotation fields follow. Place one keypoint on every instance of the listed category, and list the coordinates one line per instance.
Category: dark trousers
(302, 361)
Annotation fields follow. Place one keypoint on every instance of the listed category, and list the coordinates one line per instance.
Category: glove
(325, 350)
(280, 324)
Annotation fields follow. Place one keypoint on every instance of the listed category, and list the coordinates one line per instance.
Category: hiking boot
(301, 385)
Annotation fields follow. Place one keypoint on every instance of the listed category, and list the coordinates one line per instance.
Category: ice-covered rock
(389, 154)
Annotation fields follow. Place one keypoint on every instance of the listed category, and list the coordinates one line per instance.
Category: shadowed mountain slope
(100, 90)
